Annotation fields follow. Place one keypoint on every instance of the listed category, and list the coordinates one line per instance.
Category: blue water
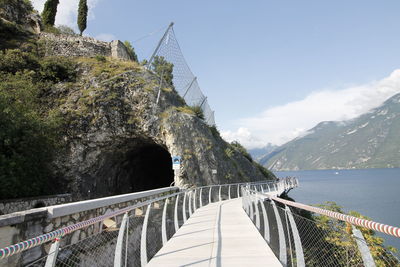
(372, 192)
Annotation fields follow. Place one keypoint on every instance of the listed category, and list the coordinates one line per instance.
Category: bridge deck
(219, 234)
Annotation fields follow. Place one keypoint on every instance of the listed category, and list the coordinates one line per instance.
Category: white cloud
(67, 11)
(106, 37)
(280, 124)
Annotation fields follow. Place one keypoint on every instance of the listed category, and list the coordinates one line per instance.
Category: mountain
(259, 153)
(369, 141)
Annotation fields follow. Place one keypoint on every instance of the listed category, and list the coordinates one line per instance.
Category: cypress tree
(82, 15)
(49, 12)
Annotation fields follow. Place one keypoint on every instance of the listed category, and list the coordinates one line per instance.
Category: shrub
(64, 29)
(14, 60)
(131, 51)
(163, 69)
(198, 112)
(100, 58)
(26, 139)
(57, 69)
(214, 131)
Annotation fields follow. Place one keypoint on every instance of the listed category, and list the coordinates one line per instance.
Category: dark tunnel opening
(148, 167)
(133, 166)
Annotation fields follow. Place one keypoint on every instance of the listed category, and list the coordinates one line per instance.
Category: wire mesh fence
(183, 80)
(312, 239)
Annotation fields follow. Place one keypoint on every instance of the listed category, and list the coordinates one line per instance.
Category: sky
(271, 69)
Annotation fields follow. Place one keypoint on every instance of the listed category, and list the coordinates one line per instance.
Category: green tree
(131, 51)
(82, 15)
(163, 69)
(49, 12)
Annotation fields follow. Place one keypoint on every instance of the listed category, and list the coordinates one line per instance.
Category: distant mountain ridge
(370, 141)
(259, 153)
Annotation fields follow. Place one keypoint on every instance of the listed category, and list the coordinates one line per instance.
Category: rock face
(118, 139)
(21, 13)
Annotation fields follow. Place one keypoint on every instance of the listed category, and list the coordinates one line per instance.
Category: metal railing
(302, 235)
(127, 237)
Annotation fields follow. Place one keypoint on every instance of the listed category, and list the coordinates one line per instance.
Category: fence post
(164, 222)
(190, 85)
(190, 202)
(176, 223)
(266, 223)
(238, 190)
(194, 200)
(143, 239)
(296, 237)
(229, 192)
(363, 248)
(281, 234)
(158, 46)
(257, 213)
(201, 197)
(120, 241)
(184, 208)
(52, 256)
(219, 193)
(209, 195)
(251, 206)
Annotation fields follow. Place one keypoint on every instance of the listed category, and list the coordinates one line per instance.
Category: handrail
(41, 239)
(44, 238)
(380, 227)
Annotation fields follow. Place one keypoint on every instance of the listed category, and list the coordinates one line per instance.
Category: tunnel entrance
(147, 167)
(129, 166)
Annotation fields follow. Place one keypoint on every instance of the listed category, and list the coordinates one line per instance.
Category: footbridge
(244, 224)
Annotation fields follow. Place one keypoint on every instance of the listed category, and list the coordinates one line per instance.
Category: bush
(14, 60)
(131, 51)
(64, 29)
(27, 141)
(57, 69)
(100, 58)
(163, 69)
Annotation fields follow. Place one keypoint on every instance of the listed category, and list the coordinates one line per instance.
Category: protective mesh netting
(184, 81)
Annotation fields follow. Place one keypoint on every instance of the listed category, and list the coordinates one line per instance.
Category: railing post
(164, 223)
(238, 190)
(176, 223)
(251, 206)
(296, 237)
(201, 197)
(194, 201)
(190, 202)
(257, 213)
(184, 208)
(229, 192)
(209, 195)
(363, 248)
(266, 223)
(269, 189)
(281, 234)
(120, 241)
(52, 256)
(219, 193)
(143, 239)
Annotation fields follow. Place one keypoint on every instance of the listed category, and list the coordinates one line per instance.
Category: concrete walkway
(219, 234)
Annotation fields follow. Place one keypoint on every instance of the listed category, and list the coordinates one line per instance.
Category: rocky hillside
(91, 126)
(369, 141)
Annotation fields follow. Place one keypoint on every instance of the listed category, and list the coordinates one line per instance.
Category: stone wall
(13, 205)
(82, 46)
(20, 226)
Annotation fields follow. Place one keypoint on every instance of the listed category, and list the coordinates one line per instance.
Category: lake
(372, 192)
